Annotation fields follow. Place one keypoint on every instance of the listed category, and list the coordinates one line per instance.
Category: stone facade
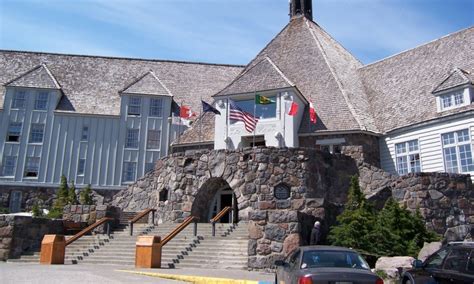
(89, 214)
(19, 234)
(183, 184)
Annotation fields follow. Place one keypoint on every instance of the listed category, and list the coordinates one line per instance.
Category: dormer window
(453, 99)
(134, 106)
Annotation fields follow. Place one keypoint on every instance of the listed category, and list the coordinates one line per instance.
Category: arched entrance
(213, 196)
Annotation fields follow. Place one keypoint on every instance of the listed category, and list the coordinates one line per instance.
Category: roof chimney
(301, 7)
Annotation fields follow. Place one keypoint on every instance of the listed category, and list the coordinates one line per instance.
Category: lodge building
(105, 121)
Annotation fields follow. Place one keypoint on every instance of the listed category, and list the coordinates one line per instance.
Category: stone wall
(317, 182)
(19, 234)
(44, 196)
(91, 213)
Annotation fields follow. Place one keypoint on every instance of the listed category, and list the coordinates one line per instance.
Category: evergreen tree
(36, 211)
(72, 197)
(61, 199)
(86, 196)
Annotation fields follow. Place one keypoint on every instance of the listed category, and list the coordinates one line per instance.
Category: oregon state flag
(262, 100)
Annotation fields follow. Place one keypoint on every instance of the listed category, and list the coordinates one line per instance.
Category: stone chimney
(301, 7)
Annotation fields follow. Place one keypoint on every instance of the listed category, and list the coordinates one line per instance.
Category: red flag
(312, 113)
(293, 109)
(185, 112)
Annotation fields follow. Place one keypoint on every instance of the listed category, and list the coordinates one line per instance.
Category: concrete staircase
(228, 249)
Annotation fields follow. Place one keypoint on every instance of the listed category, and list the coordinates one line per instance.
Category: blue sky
(220, 31)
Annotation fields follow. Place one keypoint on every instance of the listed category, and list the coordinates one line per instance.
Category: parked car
(324, 264)
(453, 263)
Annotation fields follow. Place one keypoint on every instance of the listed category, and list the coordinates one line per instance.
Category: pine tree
(36, 211)
(61, 199)
(86, 196)
(72, 197)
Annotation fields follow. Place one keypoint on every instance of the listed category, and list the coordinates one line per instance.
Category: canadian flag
(293, 109)
(185, 112)
(312, 113)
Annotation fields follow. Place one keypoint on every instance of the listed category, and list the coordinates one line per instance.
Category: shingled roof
(202, 131)
(37, 77)
(400, 87)
(322, 70)
(91, 84)
(457, 78)
(147, 84)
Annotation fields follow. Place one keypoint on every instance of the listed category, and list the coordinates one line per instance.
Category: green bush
(391, 231)
(72, 197)
(36, 211)
(61, 200)
(85, 197)
(4, 210)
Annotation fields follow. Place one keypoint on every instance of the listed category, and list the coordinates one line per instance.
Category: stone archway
(206, 196)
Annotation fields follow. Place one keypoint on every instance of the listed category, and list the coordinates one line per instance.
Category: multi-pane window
(36, 133)
(41, 101)
(149, 167)
(32, 167)
(85, 133)
(156, 107)
(14, 131)
(134, 105)
(19, 100)
(457, 152)
(131, 139)
(8, 168)
(81, 167)
(408, 157)
(451, 100)
(129, 171)
(153, 139)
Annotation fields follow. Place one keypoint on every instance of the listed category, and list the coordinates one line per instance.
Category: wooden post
(148, 252)
(53, 249)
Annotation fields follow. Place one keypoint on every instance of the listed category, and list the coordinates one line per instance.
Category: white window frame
(28, 167)
(132, 138)
(456, 145)
(408, 155)
(134, 107)
(19, 100)
(12, 134)
(129, 172)
(153, 144)
(9, 161)
(41, 101)
(456, 98)
(85, 133)
(156, 107)
(36, 130)
(81, 167)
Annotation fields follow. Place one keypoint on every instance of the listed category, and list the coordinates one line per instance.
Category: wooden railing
(178, 229)
(141, 215)
(90, 228)
(218, 217)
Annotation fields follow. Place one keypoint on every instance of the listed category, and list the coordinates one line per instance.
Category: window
(36, 134)
(134, 105)
(149, 167)
(452, 100)
(457, 151)
(19, 100)
(435, 260)
(8, 166)
(154, 139)
(41, 101)
(129, 170)
(156, 106)
(81, 166)
(457, 259)
(85, 133)
(408, 157)
(14, 131)
(261, 111)
(32, 167)
(131, 139)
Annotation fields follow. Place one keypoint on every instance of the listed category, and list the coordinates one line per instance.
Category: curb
(197, 279)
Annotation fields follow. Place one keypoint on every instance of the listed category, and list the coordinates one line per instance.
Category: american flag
(237, 113)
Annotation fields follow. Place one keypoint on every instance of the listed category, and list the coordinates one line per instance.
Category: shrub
(36, 211)
(85, 196)
(72, 197)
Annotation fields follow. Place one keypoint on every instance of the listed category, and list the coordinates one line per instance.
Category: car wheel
(407, 282)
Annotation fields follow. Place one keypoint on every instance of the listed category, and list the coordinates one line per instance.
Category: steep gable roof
(202, 131)
(264, 75)
(457, 78)
(37, 77)
(148, 84)
(400, 87)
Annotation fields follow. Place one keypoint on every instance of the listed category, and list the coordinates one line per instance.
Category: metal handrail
(90, 228)
(179, 228)
(218, 217)
(141, 215)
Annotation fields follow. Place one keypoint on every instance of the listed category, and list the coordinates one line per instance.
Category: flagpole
(226, 124)
(179, 124)
(254, 115)
(284, 118)
(200, 125)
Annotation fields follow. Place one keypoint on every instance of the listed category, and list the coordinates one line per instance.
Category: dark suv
(453, 263)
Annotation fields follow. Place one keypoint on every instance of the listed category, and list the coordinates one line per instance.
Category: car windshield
(330, 258)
